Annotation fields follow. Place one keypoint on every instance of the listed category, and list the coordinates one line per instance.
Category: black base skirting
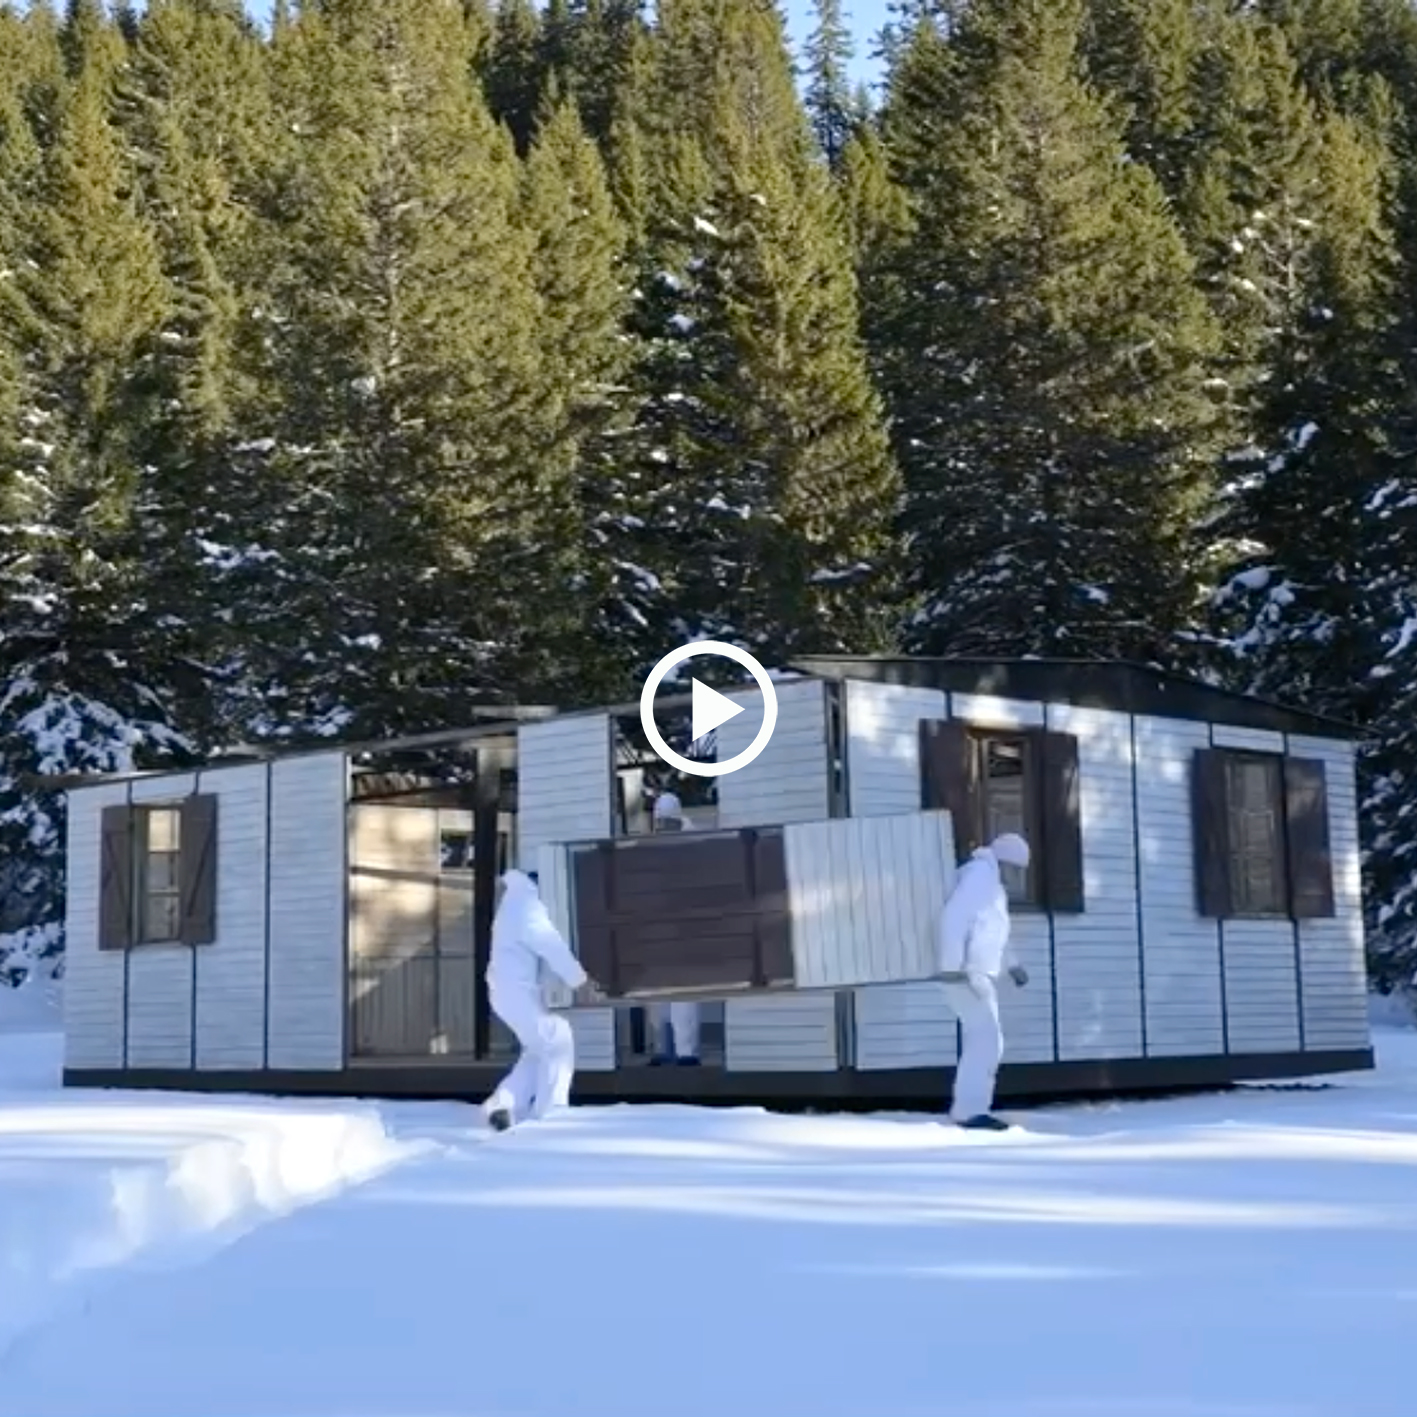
(844, 1090)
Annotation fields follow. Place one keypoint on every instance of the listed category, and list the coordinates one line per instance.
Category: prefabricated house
(319, 921)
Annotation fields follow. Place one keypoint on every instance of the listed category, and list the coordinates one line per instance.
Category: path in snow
(1242, 1256)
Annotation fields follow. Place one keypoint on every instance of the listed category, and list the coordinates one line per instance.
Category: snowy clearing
(1244, 1255)
(91, 1182)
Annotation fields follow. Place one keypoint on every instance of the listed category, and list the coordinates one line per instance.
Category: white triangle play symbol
(710, 709)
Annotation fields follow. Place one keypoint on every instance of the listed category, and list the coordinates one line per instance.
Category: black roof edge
(1124, 686)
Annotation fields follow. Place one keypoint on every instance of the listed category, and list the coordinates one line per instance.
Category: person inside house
(974, 948)
(673, 1027)
(524, 939)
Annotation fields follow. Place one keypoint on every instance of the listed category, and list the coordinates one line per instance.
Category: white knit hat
(668, 805)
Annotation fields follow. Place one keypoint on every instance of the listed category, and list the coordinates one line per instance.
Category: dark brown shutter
(949, 778)
(1306, 826)
(197, 870)
(1210, 832)
(115, 908)
(774, 913)
(595, 934)
(1060, 874)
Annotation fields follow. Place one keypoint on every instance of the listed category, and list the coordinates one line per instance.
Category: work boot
(661, 1060)
(687, 1062)
(500, 1120)
(985, 1123)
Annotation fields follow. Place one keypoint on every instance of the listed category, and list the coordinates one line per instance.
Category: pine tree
(514, 74)
(1046, 358)
(580, 271)
(79, 693)
(409, 453)
(829, 96)
(765, 481)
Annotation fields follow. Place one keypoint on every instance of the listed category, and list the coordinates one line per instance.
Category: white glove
(979, 983)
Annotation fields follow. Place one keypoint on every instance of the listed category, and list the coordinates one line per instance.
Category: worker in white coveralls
(523, 940)
(673, 1027)
(974, 947)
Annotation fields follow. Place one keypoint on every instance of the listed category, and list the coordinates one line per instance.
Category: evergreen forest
(380, 360)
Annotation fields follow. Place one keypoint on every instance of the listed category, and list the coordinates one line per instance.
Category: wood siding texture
(1261, 956)
(883, 745)
(566, 792)
(160, 982)
(1182, 950)
(1333, 973)
(231, 972)
(896, 1025)
(93, 978)
(866, 895)
(781, 1033)
(308, 897)
(1097, 953)
(788, 782)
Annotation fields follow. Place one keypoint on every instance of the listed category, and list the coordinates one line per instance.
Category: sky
(866, 18)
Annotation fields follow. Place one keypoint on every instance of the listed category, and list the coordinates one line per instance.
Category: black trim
(346, 955)
(1136, 867)
(1103, 684)
(266, 986)
(1294, 920)
(1219, 936)
(1033, 763)
(216, 866)
(128, 953)
(954, 844)
(913, 1088)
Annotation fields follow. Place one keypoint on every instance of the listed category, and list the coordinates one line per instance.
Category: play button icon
(710, 709)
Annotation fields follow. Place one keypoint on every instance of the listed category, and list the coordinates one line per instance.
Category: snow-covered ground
(1245, 1255)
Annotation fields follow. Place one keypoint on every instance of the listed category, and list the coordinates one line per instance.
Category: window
(159, 863)
(158, 873)
(1255, 795)
(1025, 781)
(1261, 838)
(1004, 800)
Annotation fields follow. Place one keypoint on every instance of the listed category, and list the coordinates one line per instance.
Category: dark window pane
(1003, 778)
(1256, 836)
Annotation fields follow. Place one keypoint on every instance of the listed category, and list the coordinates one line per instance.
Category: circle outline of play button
(740, 657)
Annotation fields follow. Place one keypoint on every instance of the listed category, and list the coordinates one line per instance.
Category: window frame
(1235, 759)
(980, 739)
(143, 854)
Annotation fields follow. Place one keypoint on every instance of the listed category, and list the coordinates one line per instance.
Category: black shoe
(687, 1062)
(661, 1060)
(985, 1123)
(500, 1120)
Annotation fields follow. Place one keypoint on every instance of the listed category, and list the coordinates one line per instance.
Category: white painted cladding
(565, 792)
(1184, 994)
(788, 781)
(207, 1005)
(308, 884)
(1332, 968)
(94, 1024)
(866, 895)
(883, 745)
(230, 974)
(1097, 954)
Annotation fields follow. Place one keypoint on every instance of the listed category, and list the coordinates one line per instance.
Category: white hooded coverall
(523, 939)
(974, 947)
(674, 1027)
